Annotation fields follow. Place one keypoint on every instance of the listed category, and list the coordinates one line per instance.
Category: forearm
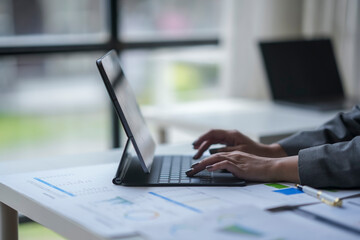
(286, 169)
(275, 151)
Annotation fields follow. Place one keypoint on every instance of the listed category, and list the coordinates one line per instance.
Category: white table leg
(8, 223)
(163, 135)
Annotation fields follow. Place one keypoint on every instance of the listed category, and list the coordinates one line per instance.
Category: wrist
(286, 169)
(276, 151)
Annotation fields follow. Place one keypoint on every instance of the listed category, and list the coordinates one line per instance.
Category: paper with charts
(87, 196)
(244, 222)
(348, 215)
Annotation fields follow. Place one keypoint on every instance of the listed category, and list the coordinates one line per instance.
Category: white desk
(261, 120)
(20, 197)
(11, 202)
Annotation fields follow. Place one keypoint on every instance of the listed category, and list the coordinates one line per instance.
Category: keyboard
(173, 170)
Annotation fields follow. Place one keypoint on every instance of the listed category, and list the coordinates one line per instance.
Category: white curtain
(339, 19)
(248, 21)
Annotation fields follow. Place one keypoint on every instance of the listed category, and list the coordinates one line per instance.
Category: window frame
(113, 42)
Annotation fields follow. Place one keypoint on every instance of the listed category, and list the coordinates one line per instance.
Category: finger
(197, 143)
(215, 135)
(204, 146)
(226, 164)
(199, 166)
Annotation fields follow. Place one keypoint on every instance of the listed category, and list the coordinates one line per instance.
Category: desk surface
(44, 214)
(79, 217)
(255, 118)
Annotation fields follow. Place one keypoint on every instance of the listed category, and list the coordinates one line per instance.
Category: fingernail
(195, 156)
(194, 143)
(189, 170)
(209, 167)
(195, 164)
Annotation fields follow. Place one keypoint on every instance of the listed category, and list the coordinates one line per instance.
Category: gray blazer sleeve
(331, 165)
(343, 127)
(330, 155)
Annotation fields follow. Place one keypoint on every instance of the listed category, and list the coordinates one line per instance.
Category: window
(172, 19)
(167, 76)
(51, 104)
(51, 97)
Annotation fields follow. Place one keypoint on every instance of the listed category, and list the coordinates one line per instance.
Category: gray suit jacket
(330, 155)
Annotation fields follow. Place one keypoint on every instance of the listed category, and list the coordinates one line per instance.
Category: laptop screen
(302, 70)
(125, 104)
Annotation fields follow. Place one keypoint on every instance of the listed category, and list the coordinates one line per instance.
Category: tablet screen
(127, 108)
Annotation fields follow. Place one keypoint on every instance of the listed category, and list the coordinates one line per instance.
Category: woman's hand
(235, 141)
(250, 167)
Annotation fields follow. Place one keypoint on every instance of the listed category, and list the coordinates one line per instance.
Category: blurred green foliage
(18, 130)
(191, 81)
(35, 231)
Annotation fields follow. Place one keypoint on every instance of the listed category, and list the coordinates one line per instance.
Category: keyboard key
(173, 169)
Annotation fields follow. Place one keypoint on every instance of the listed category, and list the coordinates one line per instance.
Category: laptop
(144, 168)
(304, 73)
